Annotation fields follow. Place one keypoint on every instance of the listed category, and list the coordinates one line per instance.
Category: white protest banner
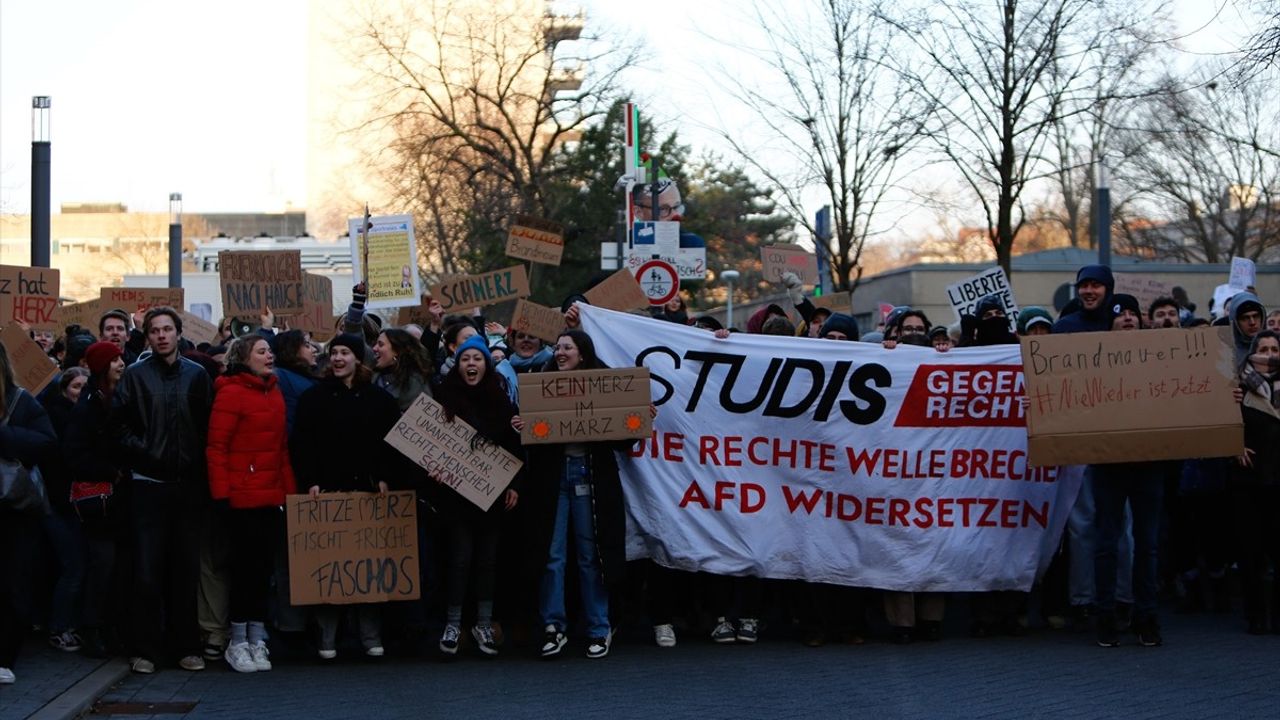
(393, 260)
(964, 295)
(836, 462)
(443, 448)
(1244, 273)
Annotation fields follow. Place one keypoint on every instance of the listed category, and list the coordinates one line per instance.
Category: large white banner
(834, 461)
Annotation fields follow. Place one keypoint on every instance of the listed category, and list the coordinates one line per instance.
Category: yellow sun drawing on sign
(541, 429)
(634, 422)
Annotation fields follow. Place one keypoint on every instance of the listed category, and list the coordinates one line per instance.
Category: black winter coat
(56, 469)
(28, 437)
(92, 453)
(160, 418)
(1262, 436)
(338, 438)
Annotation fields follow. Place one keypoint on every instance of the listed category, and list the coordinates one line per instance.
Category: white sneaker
(328, 654)
(191, 662)
(664, 635)
(142, 666)
(261, 656)
(375, 651)
(240, 658)
(6, 676)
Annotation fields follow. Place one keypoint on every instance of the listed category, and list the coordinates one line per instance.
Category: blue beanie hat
(475, 342)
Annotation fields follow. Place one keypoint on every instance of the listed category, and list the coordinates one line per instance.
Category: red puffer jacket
(248, 449)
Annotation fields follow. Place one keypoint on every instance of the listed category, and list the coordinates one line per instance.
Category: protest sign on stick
(254, 280)
(391, 251)
(536, 240)
(584, 405)
(1130, 396)
(490, 288)
(619, 291)
(783, 258)
(29, 295)
(537, 320)
(32, 368)
(347, 548)
(443, 448)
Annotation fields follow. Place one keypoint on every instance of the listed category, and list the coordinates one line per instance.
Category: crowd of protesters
(167, 465)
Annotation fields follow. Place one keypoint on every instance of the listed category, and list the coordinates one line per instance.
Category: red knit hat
(99, 356)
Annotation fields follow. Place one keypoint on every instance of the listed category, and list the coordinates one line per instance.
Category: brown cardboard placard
(490, 288)
(1130, 396)
(133, 300)
(197, 329)
(784, 258)
(536, 240)
(254, 280)
(32, 368)
(85, 314)
(841, 302)
(317, 314)
(444, 450)
(30, 295)
(347, 548)
(540, 321)
(619, 291)
(585, 405)
(1146, 289)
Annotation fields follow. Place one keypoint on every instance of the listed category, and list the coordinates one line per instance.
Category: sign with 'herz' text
(584, 405)
(29, 295)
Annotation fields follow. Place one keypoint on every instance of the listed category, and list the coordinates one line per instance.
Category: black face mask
(994, 331)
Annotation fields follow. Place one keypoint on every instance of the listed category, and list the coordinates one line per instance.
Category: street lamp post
(40, 184)
(175, 240)
(729, 277)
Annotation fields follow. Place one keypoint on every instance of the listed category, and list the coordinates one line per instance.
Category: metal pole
(41, 153)
(1102, 213)
(175, 240)
(728, 315)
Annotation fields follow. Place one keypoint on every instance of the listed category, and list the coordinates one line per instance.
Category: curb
(77, 699)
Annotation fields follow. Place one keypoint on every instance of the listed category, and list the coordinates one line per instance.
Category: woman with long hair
(295, 369)
(26, 437)
(98, 487)
(250, 474)
(337, 446)
(400, 366)
(472, 392)
(61, 525)
(574, 490)
(1255, 481)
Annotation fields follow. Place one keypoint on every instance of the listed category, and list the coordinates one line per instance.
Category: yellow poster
(393, 260)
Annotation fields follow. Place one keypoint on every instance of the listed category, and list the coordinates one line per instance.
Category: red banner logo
(964, 396)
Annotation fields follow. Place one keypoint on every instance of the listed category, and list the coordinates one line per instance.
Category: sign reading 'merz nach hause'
(1130, 396)
(584, 405)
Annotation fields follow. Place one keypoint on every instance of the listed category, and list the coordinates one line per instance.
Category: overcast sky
(154, 96)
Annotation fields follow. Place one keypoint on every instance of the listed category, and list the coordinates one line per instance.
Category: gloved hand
(359, 294)
(795, 288)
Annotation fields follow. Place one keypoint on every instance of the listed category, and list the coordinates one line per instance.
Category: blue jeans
(1082, 537)
(574, 510)
(67, 537)
(1143, 488)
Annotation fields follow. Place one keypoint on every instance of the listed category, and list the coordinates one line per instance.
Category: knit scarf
(1262, 392)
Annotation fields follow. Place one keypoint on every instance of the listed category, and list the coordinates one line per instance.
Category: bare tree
(998, 76)
(838, 114)
(478, 98)
(1207, 162)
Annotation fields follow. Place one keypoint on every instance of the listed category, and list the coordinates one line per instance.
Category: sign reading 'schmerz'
(491, 288)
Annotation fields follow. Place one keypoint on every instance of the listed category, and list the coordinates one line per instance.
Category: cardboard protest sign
(1244, 273)
(537, 320)
(253, 280)
(835, 302)
(1130, 396)
(964, 295)
(1146, 289)
(784, 258)
(30, 295)
(349, 548)
(133, 300)
(197, 329)
(32, 368)
(393, 260)
(444, 450)
(317, 302)
(584, 405)
(536, 240)
(619, 291)
(490, 288)
(85, 314)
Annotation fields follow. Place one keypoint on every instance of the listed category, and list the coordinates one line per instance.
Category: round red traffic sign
(659, 281)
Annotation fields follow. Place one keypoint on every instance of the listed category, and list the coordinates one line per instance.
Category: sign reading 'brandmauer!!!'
(254, 280)
(443, 448)
(1130, 396)
(537, 240)
(585, 405)
(491, 288)
(349, 548)
(29, 295)
(537, 320)
(32, 368)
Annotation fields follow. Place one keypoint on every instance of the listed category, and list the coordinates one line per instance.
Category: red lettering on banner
(924, 513)
(694, 495)
(668, 446)
(963, 396)
(796, 499)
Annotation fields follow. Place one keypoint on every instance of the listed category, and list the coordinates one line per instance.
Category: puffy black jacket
(160, 418)
(28, 437)
(337, 440)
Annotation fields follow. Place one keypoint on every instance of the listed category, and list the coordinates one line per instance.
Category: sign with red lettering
(32, 367)
(536, 240)
(254, 280)
(132, 300)
(1111, 397)
(584, 405)
(774, 450)
(29, 295)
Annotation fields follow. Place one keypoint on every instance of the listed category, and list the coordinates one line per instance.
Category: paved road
(1209, 668)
